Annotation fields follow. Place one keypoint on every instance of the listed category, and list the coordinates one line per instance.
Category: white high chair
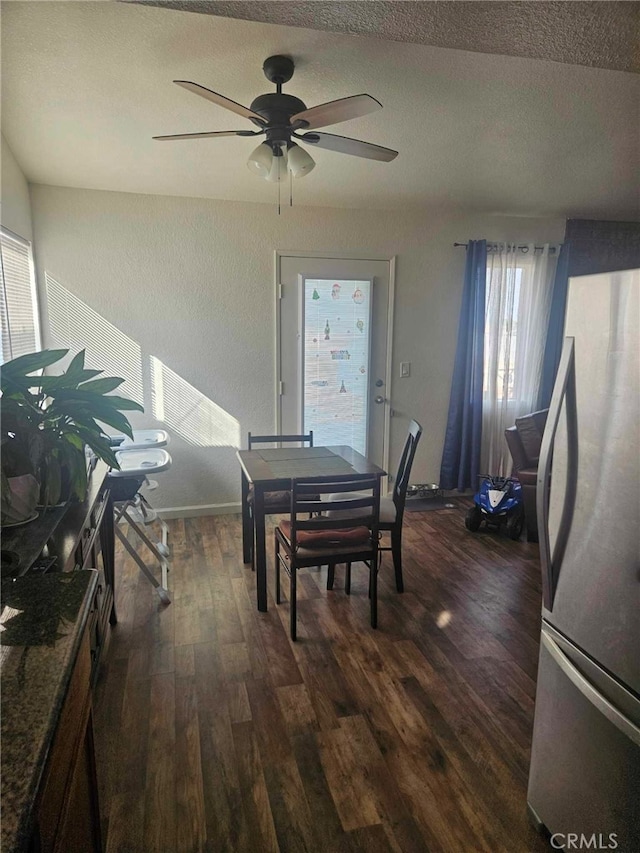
(142, 438)
(138, 457)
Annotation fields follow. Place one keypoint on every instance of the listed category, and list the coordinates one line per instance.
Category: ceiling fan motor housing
(277, 109)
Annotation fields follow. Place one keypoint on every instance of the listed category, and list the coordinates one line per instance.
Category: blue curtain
(460, 465)
(555, 329)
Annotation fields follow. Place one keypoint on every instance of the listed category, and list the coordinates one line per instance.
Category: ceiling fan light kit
(278, 165)
(284, 118)
(300, 162)
(260, 160)
(263, 161)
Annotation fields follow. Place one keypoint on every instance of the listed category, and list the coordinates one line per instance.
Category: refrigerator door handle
(615, 716)
(564, 391)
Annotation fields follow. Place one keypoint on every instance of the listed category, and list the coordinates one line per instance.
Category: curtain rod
(524, 248)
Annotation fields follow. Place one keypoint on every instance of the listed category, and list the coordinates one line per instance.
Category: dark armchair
(524, 440)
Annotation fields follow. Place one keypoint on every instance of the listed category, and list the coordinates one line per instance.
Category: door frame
(338, 256)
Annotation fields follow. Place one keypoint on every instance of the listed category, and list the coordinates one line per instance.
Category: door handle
(379, 399)
(564, 390)
(615, 716)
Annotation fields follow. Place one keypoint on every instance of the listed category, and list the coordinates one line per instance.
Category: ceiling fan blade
(220, 100)
(335, 111)
(205, 135)
(346, 145)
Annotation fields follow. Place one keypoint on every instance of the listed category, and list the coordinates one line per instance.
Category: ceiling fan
(283, 118)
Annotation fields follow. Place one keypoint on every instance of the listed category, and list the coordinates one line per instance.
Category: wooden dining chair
(275, 503)
(308, 539)
(394, 505)
(391, 506)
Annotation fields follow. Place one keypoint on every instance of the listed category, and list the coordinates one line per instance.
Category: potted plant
(48, 419)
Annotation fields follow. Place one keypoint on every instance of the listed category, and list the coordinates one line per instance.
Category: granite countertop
(42, 620)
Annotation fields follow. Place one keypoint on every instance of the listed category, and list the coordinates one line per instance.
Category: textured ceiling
(598, 34)
(85, 85)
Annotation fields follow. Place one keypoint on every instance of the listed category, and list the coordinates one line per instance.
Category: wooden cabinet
(62, 816)
(67, 814)
(95, 551)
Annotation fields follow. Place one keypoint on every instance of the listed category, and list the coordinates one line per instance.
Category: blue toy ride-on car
(498, 502)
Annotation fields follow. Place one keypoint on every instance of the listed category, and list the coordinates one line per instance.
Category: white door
(334, 346)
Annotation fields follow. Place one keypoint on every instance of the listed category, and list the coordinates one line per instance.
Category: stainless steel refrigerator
(585, 764)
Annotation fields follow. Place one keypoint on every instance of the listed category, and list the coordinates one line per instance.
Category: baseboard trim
(197, 511)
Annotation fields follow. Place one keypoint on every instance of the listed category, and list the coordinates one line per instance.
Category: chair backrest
(525, 439)
(404, 468)
(362, 509)
(280, 439)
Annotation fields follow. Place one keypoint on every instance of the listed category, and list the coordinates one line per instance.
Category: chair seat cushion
(387, 508)
(348, 536)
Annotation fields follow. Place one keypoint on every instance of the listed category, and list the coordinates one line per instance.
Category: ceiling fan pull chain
(290, 188)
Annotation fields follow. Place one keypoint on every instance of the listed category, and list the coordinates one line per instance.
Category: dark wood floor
(215, 733)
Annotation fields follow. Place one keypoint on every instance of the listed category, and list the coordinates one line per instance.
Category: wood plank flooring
(215, 733)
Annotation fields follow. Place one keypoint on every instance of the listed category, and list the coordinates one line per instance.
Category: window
(519, 285)
(502, 304)
(19, 324)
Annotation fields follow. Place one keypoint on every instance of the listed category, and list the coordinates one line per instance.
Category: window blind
(19, 327)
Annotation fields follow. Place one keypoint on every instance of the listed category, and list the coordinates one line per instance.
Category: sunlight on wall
(198, 420)
(73, 324)
(182, 407)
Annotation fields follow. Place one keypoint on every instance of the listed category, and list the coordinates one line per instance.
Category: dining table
(272, 470)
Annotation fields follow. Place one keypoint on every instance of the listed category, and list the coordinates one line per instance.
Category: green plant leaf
(101, 411)
(76, 365)
(50, 384)
(18, 368)
(23, 397)
(18, 417)
(113, 418)
(76, 464)
(17, 387)
(100, 447)
(63, 412)
(74, 439)
(52, 478)
(123, 404)
(91, 400)
(94, 427)
(86, 425)
(85, 415)
(102, 386)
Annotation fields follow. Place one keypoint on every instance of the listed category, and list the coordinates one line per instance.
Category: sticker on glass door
(336, 344)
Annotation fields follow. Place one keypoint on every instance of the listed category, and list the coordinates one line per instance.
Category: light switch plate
(405, 369)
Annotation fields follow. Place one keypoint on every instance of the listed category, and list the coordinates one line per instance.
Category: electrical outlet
(405, 369)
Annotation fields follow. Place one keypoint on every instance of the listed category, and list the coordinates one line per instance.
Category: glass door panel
(336, 360)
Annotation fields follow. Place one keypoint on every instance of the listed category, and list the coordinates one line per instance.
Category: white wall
(190, 282)
(16, 209)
